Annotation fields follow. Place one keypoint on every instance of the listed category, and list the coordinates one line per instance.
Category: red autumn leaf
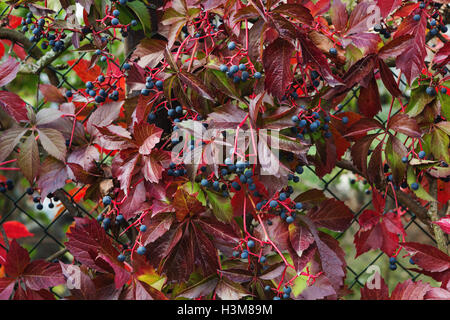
(295, 11)
(360, 150)
(427, 257)
(150, 52)
(404, 124)
(362, 126)
(395, 47)
(40, 274)
(442, 57)
(339, 15)
(410, 290)
(237, 201)
(224, 234)
(142, 291)
(378, 201)
(276, 61)
(53, 175)
(123, 167)
(325, 157)
(377, 237)
(300, 238)
(156, 226)
(6, 288)
(314, 57)
(278, 232)
(318, 7)
(378, 231)
(14, 21)
(183, 249)
(356, 74)
(52, 93)
(27, 294)
(135, 202)
(16, 230)
(13, 105)
(146, 137)
(340, 142)
(90, 245)
(83, 69)
(412, 60)
(369, 103)
(368, 219)
(437, 294)
(387, 6)
(331, 214)
(332, 264)
(8, 71)
(388, 79)
(17, 260)
(361, 18)
(376, 289)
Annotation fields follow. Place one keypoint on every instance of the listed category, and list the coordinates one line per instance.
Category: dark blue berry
(141, 250)
(106, 200)
(231, 45)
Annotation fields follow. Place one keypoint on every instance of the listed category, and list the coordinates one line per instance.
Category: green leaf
(153, 279)
(221, 206)
(394, 152)
(28, 160)
(444, 99)
(444, 126)
(439, 145)
(422, 164)
(419, 99)
(192, 188)
(141, 11)
(223, 83)
(300, 284)
(421, 192)
(168, 86)
(126, 16)
(192, 81)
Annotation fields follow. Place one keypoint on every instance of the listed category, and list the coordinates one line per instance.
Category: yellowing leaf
(153, 279)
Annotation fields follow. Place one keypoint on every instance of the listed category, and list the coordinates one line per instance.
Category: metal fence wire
(49, 233)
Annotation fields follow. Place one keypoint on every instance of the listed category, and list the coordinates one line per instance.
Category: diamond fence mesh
(49, 226)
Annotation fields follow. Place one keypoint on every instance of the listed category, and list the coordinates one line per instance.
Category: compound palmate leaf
(276, 60)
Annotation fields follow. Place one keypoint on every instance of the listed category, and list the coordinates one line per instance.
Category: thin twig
(4, 237)
(433, 214)
(57, 254)
(73, 211)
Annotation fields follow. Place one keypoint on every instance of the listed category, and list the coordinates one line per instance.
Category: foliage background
(49, 226)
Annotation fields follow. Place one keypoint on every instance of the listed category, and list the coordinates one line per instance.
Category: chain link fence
(49, 226)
